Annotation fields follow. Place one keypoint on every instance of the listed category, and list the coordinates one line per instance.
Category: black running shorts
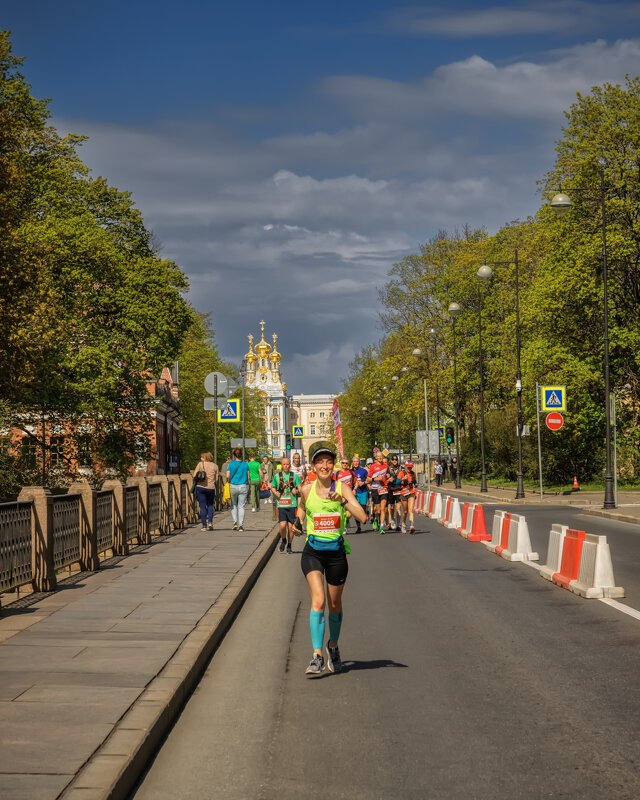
(287, 514)
(377, 497)
(332, 563)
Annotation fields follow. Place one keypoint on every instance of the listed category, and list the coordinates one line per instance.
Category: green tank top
(326, 519)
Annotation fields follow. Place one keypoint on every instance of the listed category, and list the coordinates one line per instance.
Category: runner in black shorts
(324, 505)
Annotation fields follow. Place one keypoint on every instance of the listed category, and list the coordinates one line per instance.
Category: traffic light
(288, 435)
(448, 434)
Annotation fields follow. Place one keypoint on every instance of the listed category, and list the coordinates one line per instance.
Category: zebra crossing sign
(554, 398)
(229, 411)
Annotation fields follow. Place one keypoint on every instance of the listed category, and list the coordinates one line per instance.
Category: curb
(614, 515)
(114, 769)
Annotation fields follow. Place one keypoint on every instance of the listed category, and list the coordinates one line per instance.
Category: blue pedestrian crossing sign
(229, 411)
(554, 398)
(297, 431)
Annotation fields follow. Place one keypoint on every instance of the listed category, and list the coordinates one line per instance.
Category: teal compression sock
(335, 623)
(316, 623)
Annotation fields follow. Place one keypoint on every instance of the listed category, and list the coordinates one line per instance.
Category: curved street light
(561, 204)
(484, 273)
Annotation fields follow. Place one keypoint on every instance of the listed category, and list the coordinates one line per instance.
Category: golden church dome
(251, 357)
(276, 358)
(262, 348)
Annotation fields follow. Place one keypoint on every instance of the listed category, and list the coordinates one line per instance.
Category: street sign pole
(215, 419)
(539, 438)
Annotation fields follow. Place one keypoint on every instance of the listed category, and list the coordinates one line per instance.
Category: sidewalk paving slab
(92, 675)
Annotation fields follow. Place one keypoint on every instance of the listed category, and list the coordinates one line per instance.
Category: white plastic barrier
(437, 508)
(595, 578)
(510, 538)
(447, 503)
(554, 551)
(455, 515)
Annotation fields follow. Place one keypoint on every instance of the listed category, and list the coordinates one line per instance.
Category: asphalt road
(466, 677)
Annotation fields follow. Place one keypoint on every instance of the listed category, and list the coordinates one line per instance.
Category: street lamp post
(484, 274)
(519, 474)
(454, 311)
(395, 383)
(561, 204)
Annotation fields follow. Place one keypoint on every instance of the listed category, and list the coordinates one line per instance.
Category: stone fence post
(44, 575)
(189, 512)
(120, 544)
(144, 536)
(89, 559)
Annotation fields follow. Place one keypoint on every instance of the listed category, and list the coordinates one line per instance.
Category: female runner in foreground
(325, 503)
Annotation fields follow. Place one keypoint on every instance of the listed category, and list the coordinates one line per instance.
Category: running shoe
(316, 665)
(210, 526)
(240, 528)
(412, 529)
(289, 550)
(375, 524)
(283, 544)
(334, 662)
(203, 528)
(235, 526)
(404, 530)
(381, 531)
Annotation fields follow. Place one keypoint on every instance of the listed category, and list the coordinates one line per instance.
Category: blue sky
(286, 154)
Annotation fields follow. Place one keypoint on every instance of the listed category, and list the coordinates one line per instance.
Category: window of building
(57, 451)
(322, 415)
(312, 430)
(312, 415)
(274, 424)
(276, 441)
(84, 450)
(28, 451)
(322, 429)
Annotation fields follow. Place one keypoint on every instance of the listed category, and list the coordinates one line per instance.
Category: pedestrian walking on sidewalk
(285, 490)
(437, 471)
(266, 472)
(254, 483)
(206, 489)
(238, 477)
(325, 503)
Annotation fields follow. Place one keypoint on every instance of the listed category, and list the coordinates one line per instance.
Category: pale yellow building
(315, 413)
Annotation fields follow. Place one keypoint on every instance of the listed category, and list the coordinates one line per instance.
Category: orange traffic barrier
(467, 515)
(479, 527)
(504, 533)
(571, 553)
(432, 503)
(447, 512)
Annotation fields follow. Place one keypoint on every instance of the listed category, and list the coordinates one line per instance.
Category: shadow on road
(380, 663)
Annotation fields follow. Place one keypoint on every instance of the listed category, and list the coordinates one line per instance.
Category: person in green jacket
(254, 483)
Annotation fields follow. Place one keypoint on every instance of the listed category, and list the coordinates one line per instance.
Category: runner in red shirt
(377, 481)
(407, 478)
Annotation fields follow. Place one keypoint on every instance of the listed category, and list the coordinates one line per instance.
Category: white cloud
(563, 16)
(301, 230)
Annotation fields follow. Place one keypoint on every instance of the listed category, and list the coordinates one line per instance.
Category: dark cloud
(301, 228)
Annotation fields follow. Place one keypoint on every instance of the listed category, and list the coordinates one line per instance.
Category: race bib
(324, 524)
(285, 501)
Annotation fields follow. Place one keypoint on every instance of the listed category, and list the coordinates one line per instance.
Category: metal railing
(43, 533)
(104, 520)
(131, 512)
(15, 545)
(155, 502)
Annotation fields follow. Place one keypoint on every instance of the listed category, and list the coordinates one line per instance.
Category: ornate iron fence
(104, 520)
(15, 545)
(131, 512)
(170, 490)
(66, 530)
(155, 498)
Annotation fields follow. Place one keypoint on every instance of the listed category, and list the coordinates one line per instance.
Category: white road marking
(621, 607)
